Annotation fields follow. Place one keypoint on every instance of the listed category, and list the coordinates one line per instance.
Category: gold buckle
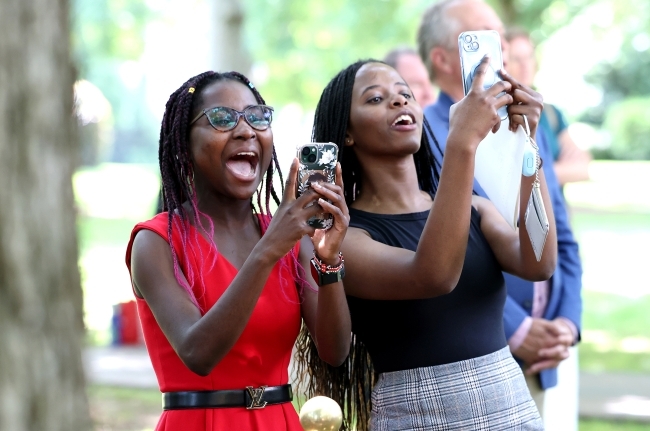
(256, 397)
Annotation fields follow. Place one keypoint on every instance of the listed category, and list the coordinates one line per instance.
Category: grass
(597, 425)
(616, 334)
(124, 409)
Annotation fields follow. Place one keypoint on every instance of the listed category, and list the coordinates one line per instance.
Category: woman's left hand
(327, 243)
(526, 101)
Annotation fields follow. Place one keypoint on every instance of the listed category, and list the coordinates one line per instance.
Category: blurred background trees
(292, 48)
(132, 54)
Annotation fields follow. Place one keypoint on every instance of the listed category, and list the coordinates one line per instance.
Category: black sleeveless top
(466, 323)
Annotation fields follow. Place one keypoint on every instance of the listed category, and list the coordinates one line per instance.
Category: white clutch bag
(536, 221)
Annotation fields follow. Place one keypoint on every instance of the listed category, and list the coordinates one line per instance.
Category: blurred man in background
(571, 163)
(408, 64)
(542, 319)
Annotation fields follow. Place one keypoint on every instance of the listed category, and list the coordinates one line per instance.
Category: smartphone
(472, 46)
(317, 163)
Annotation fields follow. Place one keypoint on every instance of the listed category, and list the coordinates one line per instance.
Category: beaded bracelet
(323, 267)
(325, 274)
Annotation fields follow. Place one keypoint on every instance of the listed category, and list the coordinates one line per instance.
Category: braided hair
(177, 172)
(351, 384)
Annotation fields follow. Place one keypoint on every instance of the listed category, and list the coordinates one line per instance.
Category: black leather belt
(251, 398)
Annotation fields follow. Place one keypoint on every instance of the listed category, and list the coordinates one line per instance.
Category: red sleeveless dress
(260, 356)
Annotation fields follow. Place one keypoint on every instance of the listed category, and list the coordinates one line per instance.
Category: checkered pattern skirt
(484, 393)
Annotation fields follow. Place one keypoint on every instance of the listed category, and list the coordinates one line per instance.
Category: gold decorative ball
(321, 414)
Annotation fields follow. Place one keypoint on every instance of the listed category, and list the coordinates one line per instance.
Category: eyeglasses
(223, 119)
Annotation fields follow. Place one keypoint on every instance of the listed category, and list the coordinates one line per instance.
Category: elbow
(547, 270)
(335, 360)
(196, 362)
(544, 271)
(335, 355)
(431, 287)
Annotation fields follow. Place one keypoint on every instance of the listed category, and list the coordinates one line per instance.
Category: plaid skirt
(484, 393)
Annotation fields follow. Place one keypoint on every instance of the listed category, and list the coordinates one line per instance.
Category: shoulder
(159, 224)
(155, 232)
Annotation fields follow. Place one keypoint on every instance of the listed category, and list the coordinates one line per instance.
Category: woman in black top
(423, 279)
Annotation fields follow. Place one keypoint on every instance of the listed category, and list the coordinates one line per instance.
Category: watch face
(323, 278)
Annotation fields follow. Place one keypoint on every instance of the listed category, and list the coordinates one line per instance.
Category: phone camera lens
(311, 158)
(468, 38)
(305, 151)
(475, 46)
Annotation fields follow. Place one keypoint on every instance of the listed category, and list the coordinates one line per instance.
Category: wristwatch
(325, 274)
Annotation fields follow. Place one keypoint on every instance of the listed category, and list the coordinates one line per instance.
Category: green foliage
(302, 45)
(625, 74)
(540, 17)
(107, 43)
(628, 123)
(107, 29)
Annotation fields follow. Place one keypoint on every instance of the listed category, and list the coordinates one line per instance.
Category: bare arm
(202, 341)
(573, 163)
(513, 248)
(325, 308)
(378, 271)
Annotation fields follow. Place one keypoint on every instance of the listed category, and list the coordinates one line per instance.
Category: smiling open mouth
(243, 165)
(403, 120)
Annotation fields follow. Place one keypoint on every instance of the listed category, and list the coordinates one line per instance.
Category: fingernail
(315, 185)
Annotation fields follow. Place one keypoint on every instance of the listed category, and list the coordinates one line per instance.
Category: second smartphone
(472, 46)
(317, 163)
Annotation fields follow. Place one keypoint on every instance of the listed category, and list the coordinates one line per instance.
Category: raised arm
(378, 271)
(513, 249)
(202, 341)
(324, 308)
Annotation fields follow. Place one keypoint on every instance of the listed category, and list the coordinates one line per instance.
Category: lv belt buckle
(256, 395)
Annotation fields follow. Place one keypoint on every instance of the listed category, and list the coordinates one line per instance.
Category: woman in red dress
(220, 287)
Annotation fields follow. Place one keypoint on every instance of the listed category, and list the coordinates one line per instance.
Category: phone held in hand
(317, 163)
(472, 47)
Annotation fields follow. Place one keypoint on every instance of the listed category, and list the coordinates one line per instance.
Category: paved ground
(611, 396)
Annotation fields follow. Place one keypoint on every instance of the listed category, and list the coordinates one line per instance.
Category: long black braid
(351, 384)
(177, 170)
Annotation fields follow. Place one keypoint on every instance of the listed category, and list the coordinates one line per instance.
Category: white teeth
(404, 117)
(247, 153)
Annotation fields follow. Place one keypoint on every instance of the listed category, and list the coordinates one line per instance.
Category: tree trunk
(41, 321)
(227, 50)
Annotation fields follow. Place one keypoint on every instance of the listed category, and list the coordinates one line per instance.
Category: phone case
(536, 221)
(321, 168)
(472, 47)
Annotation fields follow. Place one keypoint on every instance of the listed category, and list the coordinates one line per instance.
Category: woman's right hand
(289, 223)
(476, 114)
